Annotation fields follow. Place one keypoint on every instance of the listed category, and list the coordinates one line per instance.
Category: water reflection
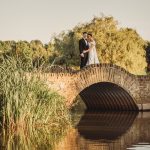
(42, 138)
(109, 131)
(105, 125)
(93, 131)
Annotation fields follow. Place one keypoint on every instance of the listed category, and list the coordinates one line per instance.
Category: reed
(26, 102)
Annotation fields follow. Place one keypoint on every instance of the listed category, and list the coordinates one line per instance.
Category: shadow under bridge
(107, 96)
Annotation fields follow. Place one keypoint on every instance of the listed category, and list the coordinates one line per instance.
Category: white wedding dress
(92, 56)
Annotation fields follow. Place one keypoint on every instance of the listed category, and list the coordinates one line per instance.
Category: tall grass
(27, 101)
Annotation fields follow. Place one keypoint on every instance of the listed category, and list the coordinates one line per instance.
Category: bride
(92, 54)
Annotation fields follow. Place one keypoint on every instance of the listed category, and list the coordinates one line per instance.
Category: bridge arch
(108, 87)
(107, 96)
(70, 83)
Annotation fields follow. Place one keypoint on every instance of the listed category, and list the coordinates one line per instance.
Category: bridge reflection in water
(105, 125)
(109, 131)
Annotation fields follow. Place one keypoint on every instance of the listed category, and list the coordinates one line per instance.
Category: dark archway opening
(107, 96)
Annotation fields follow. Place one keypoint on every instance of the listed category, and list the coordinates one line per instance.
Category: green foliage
(34, 53)
(120, 46)
(25, 101)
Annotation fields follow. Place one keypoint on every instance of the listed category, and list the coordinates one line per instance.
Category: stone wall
(70, 83)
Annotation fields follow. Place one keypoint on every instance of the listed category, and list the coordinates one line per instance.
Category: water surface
(109, 131)
(91, 131)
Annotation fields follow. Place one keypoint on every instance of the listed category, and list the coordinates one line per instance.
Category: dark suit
(83, 46)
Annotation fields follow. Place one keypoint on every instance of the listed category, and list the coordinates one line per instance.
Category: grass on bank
(27, 101)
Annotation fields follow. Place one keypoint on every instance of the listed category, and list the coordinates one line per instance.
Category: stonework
(71, 83)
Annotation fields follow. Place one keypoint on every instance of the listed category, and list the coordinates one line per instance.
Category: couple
(87, 47)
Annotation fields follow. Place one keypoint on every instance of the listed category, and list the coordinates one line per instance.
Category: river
(106, 130)
(110, 131)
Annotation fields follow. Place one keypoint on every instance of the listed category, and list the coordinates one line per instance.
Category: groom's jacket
(83, 45)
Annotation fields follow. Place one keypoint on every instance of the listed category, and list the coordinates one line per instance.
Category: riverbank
(28, 102)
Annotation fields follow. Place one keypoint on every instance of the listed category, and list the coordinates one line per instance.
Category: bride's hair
(91, 39)
(90, 34)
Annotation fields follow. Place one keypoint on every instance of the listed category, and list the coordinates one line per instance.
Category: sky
(41, 19)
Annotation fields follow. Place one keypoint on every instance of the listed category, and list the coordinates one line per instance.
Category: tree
(120, 46)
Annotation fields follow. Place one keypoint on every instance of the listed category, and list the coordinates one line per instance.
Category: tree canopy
(120, 46)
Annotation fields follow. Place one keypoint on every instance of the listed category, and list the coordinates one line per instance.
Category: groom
(83, 45)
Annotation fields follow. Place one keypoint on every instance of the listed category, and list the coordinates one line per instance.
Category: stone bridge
(101, 86)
